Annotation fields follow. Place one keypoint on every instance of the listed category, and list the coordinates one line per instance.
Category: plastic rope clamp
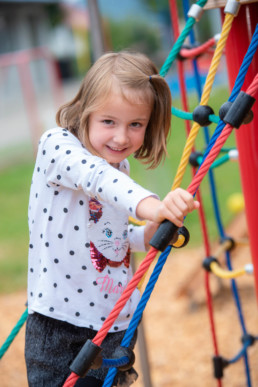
(248, 338)
(164, 235)
(219, 363)
(183, 238)
(232, 7)
(225, 108)
(121, 352)
(231, 240)
(206, 264)
(88, 357)
(201, 115)
(193, 159)
(239, 109)
(195, 12)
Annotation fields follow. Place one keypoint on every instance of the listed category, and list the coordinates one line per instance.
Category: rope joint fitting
(206, 263)
(88, 357)
(219, 363)
(238, 112)
(193, 159)
(232, 7)
(183, 237)
(195, 12)
(164, 235)
(122, 352)
(201, 115)
(232, 243)
(249, 339)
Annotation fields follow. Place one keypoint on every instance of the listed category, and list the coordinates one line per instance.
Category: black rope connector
(88, 357)
(121, 352)
(239, 109)
(186, 237)
(206, 263)
(226, 106)
(193, 159)
(231, 240)
(248, 338)
(219, 363)
(164, 235)
(201, 115)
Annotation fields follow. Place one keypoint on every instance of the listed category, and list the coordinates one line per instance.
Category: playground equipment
(22, 61)
(244, 85)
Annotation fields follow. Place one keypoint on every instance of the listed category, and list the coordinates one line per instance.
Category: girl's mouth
(114, 149)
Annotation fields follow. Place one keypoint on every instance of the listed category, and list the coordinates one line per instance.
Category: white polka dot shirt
(80, 240)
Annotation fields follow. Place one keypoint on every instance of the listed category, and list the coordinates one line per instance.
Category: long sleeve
(68, 164)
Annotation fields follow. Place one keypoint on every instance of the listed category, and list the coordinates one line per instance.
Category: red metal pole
(247, 136)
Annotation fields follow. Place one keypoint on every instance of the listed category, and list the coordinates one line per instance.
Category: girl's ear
(95, 209)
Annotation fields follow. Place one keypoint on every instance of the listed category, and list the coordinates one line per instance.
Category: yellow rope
(204, 99)
(227, 274)
(136, 221)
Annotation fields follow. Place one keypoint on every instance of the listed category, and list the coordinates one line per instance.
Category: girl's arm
(176, 205)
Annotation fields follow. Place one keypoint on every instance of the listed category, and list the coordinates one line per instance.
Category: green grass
(15, 184)
(14, 194)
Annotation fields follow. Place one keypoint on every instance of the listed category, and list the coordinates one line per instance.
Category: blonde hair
(134, 72)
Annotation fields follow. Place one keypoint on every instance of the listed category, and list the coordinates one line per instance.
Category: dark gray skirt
(51, 346)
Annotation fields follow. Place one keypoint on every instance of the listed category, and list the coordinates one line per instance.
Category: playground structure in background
(239, 41)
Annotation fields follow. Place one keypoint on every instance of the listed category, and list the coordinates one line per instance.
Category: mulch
(176, 324)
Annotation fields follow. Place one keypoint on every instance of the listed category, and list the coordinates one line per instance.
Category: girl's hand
(176, 205)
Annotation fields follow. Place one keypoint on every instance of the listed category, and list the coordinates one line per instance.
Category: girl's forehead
(132, 95)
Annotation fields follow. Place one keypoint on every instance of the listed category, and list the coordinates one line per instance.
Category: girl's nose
(121, 136)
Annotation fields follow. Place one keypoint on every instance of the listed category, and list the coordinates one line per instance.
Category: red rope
(192, 188)
(125, 296)
(194, 52)
(71, 380)
(252, 89)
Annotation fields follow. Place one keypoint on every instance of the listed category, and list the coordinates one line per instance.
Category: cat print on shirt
(109, 244)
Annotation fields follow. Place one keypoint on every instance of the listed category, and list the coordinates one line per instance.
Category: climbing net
(232, 114)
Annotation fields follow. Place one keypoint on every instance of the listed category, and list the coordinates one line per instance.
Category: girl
(80, 201)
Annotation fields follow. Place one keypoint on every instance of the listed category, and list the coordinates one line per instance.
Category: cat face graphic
(107, 240)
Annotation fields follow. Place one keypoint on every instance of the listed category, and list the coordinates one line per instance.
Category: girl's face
(117, 130)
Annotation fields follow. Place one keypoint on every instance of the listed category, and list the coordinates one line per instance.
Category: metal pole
(96, 31)
(142, 346)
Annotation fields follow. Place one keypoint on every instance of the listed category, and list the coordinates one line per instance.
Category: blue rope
(139, 310)
(115, 362)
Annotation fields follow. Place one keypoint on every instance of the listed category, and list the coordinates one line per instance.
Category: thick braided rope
(139, 310)
(100, 336)
(192, 188)
(204, 99)
(237, 86)
(13, 333)
(178, 44)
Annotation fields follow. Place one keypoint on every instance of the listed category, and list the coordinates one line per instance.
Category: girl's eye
(108, 122)
(108, 232)
(125, 234)
(136, 124)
